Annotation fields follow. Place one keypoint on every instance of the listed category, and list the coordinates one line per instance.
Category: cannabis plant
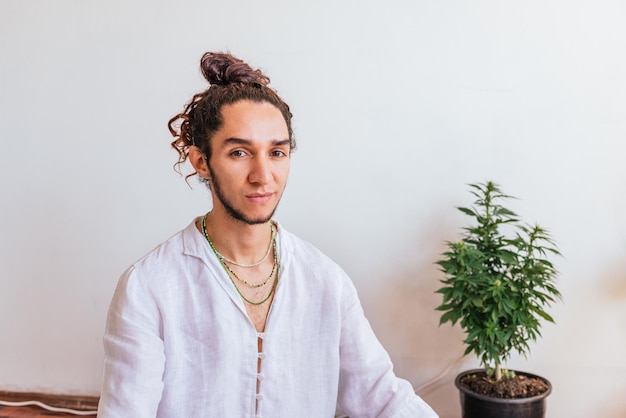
(498, 280)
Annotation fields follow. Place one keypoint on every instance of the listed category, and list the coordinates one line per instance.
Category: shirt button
(261, 335)
(259, 397)
(258, 416)
(260, 376)
(262, 356)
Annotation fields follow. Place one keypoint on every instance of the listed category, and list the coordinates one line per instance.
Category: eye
(238, 153)
(278, 153)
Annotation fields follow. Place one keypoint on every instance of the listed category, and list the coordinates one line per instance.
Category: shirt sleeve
(134, 358)
(368, 386)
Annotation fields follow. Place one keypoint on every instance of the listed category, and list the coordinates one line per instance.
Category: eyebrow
(240, 141)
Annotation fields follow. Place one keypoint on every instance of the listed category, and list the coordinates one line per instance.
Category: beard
(230, 208)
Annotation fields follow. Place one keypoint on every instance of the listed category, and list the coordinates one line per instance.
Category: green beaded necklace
(230, 273)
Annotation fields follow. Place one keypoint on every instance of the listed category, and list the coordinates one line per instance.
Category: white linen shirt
(179, 343)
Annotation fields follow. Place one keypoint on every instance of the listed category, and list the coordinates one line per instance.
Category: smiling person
(234, 316)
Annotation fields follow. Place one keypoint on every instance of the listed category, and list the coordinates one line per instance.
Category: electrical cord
(440, 376)
(48, 407)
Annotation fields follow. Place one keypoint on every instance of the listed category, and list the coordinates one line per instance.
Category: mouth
(259, 197)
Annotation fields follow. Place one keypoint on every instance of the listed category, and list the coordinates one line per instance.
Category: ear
(199, 162)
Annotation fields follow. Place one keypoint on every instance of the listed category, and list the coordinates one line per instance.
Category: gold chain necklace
(275, 268)
(269, 248)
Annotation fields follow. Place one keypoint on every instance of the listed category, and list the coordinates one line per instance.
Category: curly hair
(230, 81)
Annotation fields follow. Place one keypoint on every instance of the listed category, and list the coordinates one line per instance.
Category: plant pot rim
(467, 392)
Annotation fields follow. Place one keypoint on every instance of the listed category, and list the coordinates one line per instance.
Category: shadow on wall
(612, 410)
(402, 313)
(615, 286)
(613, 295)
(584, 354)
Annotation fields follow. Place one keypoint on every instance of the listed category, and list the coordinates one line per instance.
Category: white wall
(398, 104)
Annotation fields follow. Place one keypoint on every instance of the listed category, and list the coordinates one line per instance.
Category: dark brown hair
(230, 80)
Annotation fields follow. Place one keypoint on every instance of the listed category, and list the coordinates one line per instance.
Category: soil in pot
(519, 386)
(519, 397)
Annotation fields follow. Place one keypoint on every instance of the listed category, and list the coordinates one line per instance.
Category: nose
(261, 170)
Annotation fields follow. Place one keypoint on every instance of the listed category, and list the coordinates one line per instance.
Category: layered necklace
(230, 273)
(271, 245)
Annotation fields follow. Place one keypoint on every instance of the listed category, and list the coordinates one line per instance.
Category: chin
(252, 218)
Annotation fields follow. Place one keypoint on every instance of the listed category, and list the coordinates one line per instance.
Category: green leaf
(450, 316)
(467, 211)
(500, 211)
(445, 307)
(544, 315)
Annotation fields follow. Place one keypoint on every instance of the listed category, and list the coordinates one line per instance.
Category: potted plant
(498, 283)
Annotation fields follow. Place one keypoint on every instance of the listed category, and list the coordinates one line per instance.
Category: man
(234, 316)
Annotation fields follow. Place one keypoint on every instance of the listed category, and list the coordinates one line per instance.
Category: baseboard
(80, 403)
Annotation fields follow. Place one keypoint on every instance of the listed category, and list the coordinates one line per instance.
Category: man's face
(249, 161)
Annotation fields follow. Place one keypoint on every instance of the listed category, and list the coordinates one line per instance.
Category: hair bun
(222, 69)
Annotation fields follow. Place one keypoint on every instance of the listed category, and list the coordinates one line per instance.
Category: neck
(237, 240)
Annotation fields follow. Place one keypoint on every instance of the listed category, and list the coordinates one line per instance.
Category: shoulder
(299, 249)
(162, 255)
(171, 257)
(305, 261)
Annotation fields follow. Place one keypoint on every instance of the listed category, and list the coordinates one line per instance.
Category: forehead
(254, 121)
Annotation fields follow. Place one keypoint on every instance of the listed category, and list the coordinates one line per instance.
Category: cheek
(284, 173)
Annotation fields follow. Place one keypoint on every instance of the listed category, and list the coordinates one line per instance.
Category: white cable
(48, 407)
(439, 376)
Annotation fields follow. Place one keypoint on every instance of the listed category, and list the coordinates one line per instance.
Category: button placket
(260, 375)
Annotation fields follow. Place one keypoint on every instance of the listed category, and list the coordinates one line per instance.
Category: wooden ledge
(79, 403)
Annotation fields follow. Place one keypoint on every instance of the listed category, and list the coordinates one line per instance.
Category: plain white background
(398, 105)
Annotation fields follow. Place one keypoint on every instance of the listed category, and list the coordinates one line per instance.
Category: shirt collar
(194, 243)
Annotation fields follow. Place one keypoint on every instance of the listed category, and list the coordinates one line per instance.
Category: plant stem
(498, 372)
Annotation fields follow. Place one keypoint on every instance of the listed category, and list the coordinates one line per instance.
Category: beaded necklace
(275, 268)
(252, 284)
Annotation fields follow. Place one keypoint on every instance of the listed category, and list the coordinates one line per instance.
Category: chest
(257, 302)
(257, 295)
(258, 314)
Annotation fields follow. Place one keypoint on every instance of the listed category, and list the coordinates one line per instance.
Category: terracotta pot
(474, 405)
